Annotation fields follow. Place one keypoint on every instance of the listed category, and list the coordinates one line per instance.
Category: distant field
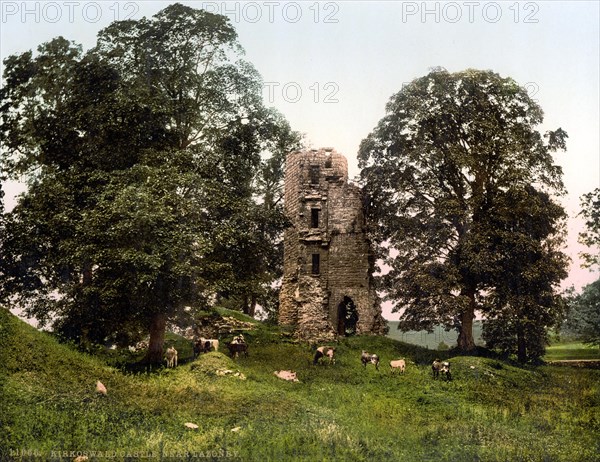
(572, 350)
(432, 340)
(557, 352)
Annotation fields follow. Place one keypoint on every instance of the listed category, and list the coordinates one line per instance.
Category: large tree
(448, 147)
(142, 158)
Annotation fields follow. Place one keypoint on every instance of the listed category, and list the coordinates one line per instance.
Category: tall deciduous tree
(448, 147)
(142, 157)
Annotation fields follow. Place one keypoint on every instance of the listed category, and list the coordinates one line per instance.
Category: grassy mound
(491, 410)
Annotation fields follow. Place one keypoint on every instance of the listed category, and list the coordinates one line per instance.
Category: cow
(399, 364)
(443, 367)
(236, 348)
(239, 339)
(287, 375)
(171, 357)
(204, 345)
(445, 370)
(435, 368)
(369, 358)
(212, 343)
(324, 351)
(100, 388)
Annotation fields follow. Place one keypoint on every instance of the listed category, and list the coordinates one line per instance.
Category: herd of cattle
(238, 345)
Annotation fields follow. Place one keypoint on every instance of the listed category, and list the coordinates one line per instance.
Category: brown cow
(369, 358)
(324, 351)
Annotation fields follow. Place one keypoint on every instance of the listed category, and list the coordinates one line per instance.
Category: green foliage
(590, 211)
(451, 172)
(153, 169)
(583, 318)
(492, 410)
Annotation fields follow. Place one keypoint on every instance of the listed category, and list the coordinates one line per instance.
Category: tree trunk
(157, 339)
(249, 305)
(245, 305)
(465, 336)
(521, 345)
(252, 310)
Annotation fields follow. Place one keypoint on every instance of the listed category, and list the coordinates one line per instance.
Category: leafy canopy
(150, 160)
(438, 169)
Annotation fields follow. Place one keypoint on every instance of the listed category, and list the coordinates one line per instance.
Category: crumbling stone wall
(326, 251)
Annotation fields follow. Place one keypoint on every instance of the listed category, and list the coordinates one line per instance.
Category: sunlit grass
(491, 411)
(572, 351)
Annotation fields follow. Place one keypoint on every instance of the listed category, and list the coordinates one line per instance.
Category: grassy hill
(491, 411)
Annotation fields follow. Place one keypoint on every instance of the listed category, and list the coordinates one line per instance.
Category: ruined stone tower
(327, 275)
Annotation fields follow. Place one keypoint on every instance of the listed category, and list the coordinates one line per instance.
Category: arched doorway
(347, 317)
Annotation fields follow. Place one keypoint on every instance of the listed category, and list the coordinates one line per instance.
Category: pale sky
(330, 67)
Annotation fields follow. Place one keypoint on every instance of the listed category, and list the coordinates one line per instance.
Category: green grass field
(571, 351)
(432, 340)
(559, 351)
(490, 411)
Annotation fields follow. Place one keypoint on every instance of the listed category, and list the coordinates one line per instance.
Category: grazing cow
(324, 351)
(445, 370)
(399, 364)
(236, 348)
(239, 339)
(287, 375)
(212, 343)
(369, 358)
(200, 347)
(171, 357)
(100, 388)
(435, 368)
(443, 367)
(204, 345)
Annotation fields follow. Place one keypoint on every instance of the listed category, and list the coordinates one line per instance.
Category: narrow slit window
(314, 174)
(316, 261)
(314, 218)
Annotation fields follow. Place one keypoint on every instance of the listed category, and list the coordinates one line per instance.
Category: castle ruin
(327, 288)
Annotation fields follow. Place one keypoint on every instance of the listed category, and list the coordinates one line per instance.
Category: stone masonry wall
(326, 253)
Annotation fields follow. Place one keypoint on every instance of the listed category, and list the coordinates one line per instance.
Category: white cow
(399, 364)
(287, 375)
(171, 357)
